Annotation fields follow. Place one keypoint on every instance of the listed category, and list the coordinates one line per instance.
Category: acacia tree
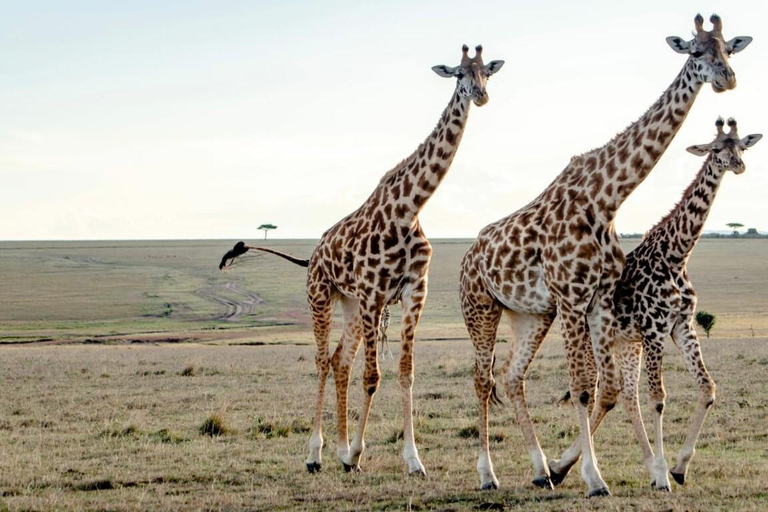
(735, 227)
(706, 321)
(266, 228)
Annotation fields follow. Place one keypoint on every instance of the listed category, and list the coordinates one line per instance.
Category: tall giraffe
(655, 300)
(379, 255)
(560, 254)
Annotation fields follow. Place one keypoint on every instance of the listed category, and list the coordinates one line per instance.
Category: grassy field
(113, 355)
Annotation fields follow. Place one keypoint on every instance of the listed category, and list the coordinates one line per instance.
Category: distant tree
(706, 321)
(735, 227)
(266, 228)
(752, 232)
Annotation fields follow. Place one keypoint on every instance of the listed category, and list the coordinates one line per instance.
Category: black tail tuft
(565, 399)
(238, 250)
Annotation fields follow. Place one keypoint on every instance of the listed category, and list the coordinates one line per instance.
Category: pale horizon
(190, 121)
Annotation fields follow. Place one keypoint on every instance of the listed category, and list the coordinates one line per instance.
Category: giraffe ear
(751, 140)
(493, 66)
(445, 71)
(679, 44)
(737, 44)
(699, 149)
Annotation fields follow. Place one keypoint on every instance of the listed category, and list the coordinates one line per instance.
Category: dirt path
(237, 307)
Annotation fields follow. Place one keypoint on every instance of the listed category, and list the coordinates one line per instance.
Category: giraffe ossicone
(560, 255)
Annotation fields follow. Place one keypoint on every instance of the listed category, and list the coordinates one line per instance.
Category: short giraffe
(655, 300)
(560, 255)
(379, 255)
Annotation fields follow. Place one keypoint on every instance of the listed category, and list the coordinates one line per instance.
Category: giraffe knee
(584, 398)
(660, 407)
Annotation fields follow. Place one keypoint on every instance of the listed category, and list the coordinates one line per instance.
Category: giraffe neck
(682, 227)
(610, 173)
(409, 186)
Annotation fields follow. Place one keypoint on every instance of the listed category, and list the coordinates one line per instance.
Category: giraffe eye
(697, 54)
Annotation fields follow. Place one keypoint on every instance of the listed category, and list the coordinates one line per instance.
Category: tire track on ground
(236, 307)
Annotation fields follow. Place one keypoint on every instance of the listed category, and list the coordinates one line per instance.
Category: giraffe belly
(532, 296)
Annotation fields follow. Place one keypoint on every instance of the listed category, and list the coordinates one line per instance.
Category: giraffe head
(710, 52)
(725, 151)
(472, 74)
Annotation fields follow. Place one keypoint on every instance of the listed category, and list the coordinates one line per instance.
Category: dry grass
(115, 426)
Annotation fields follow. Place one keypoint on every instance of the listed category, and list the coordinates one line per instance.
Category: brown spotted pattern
(655, 300)
(376, 256)
(560, 255)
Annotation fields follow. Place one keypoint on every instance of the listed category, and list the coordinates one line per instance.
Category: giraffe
(655, 300)
(379, 255)
(560, 255)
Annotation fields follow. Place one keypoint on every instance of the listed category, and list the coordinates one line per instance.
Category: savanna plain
(136, 376)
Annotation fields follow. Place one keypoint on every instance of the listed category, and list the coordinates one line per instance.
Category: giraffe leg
(413, 304)
(602, 330)
(321, 304)
(529, 332)
(628, 354)
(653, 348)
(370, 315)
(583, 382)
(688, 343)
(341, 362)
(481, 316)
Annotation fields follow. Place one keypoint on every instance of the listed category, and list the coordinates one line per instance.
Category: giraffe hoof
(556, 477)
(597, 493)
(543, 482)
(679, 477)
(418, 472)
(348, 468)
(314, 467)
(490, 486)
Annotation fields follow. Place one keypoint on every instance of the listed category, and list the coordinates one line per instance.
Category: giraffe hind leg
(529, 332)
(321, 306)
(341, 363)
(481, 316)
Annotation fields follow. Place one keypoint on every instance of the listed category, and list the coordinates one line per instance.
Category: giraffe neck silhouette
(610, 173)
(682, 226)
(409, 186)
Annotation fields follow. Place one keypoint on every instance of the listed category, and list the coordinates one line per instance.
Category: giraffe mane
(675, 209)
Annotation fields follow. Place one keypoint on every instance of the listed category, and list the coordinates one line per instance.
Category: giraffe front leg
(370, 315)
(413, 304)
(559, 468)
(583, 382)
(688, 343)
(321, 305)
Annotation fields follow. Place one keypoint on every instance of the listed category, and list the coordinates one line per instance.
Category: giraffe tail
(240, 248)
(565, 399)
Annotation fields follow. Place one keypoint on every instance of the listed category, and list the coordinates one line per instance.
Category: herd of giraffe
(557, 256)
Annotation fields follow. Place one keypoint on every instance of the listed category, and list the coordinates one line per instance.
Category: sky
(197, 120)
